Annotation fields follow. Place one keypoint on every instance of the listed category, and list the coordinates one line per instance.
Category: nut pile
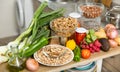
(64, 26)
(57, 55)
(91, 11)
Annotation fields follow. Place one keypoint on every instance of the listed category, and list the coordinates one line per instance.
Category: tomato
(85, 53)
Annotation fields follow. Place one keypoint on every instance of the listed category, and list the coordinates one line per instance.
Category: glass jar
(15, 62)
(113, 16)
(91, 23)
(91, 15)
(68, 5)
(63, 27)
(76, 16)
(80, 33)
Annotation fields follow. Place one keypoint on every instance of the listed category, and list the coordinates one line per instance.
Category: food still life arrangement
(32, 47)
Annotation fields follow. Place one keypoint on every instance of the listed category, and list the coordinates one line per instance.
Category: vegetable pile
(93, 46)
(37, 34)
(91, 42)
(94, 41)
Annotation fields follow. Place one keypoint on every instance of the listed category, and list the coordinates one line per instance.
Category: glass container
(91, 10)
(91, 23)
(15, 62)
(113, 16)
(80, 33)
(68, 5)
(64, 27)
(91, 15)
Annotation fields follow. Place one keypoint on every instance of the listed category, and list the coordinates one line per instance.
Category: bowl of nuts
(91, 10)
(64, 26)
(54, 55)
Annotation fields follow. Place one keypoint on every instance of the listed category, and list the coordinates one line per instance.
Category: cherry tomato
(85, 53)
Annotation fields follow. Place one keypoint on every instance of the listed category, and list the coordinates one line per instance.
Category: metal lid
(81, 30)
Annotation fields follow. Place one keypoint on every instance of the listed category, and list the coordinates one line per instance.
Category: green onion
(37, 34)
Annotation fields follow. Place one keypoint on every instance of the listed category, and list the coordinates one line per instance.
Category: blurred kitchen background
(9, 22)
(15, 16)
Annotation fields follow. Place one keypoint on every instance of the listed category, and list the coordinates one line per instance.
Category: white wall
(8, 24)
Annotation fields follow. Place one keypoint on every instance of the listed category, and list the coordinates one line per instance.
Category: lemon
(71, 44)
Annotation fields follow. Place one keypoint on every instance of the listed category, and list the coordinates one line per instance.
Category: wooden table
(94, 57)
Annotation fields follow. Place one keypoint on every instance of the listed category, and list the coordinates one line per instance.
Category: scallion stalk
(32, 39)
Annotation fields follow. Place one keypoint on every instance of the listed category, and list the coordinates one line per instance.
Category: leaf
(91, 31)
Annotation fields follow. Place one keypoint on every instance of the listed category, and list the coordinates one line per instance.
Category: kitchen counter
(94, 57)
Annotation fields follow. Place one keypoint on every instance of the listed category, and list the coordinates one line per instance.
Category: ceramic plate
(54, 55)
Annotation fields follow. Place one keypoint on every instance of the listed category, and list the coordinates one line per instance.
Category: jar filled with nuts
(91, 14)
(76, 16)
(91, 10)
(64, 27)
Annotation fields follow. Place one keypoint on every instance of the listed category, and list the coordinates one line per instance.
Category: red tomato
(85, 53)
